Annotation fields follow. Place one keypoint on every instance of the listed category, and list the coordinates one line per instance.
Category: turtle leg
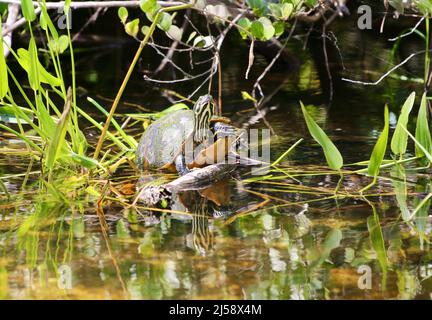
(180, 165)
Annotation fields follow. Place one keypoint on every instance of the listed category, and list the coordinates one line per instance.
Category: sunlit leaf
(332, 154)
(132, 27)
(380, 148)
(44, 76)
(4, 84)
(57, 142)
(245, 25)
(400, 138)
(148, 5)
(28, 10)
(123, 14)
(422, 134)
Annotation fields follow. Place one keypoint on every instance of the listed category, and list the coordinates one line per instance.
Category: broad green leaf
(257, 29)
(258, 6)
(422, 134)
(58, 139)
(165, 21)
(332, 154)
(380, 148)
(123, 14)
(4, 84)
(269, 30)
(33, 72)
(132, 27)
(400, 138)
(44, 76)
(148, 5)
(245, 25)
(287, 9)
(28, 10)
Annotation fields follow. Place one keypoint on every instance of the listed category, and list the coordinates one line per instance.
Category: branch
(13, 11)
(385, 74)
(95, 4)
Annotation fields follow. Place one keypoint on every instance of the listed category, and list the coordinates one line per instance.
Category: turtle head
(204, 110)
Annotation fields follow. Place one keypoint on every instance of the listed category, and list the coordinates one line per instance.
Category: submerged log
(194, 180)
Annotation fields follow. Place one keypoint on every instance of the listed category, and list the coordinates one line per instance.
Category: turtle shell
(161, 142)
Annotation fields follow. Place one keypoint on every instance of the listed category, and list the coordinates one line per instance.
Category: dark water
(238, 239)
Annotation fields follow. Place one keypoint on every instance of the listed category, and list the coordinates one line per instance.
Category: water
(246, 239)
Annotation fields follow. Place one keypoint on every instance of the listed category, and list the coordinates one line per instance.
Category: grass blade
(4, 86)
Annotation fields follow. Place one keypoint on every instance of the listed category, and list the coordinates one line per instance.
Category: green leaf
(46, 23)
(380, 148)
(4, 84)
(245, 25)
(33, 72)
(400, 138)
(279, 27)
(123, 14)
(148, 6)
(165, 21)
(45, 77)
(332, 154)
(257, 29)
(84, 161)
(67, 6)
(57, 142)
(132, 28)
(28, 10)
(60, 45)
(258, 6)
(423, 135)
(269, 30)
(281, 11)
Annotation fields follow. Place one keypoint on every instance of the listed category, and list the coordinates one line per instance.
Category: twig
(95, 4)
(385, 74)
(410, 32)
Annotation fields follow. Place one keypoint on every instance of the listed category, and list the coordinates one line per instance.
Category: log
(194, 180)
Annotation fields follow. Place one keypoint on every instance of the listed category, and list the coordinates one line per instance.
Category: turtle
(163, 145)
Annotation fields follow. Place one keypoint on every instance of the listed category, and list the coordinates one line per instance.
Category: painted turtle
(167, 142)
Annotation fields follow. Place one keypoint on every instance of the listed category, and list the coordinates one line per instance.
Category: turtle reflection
(204, 206)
